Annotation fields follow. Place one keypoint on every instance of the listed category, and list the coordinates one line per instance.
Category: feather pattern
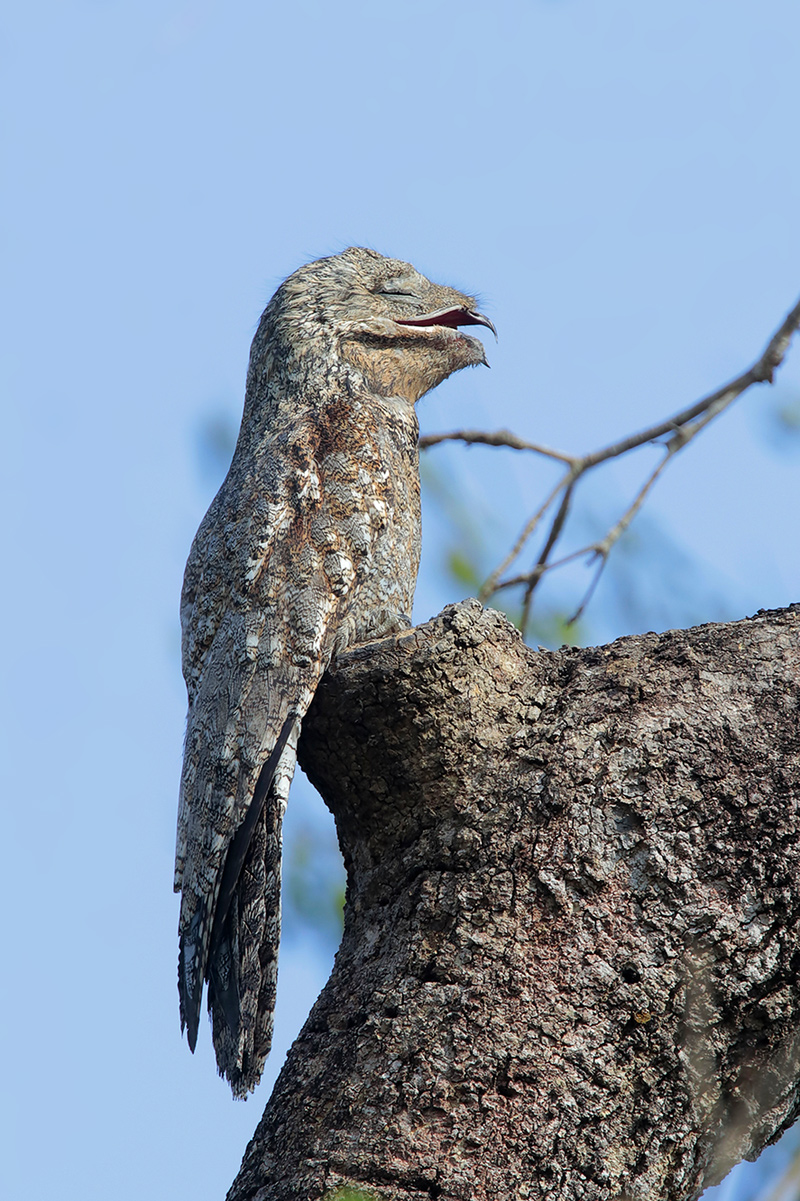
(311, 545)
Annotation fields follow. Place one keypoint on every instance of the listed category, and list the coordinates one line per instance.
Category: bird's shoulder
(300, 506)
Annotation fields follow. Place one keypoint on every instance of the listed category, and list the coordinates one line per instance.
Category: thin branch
(603, 549)
(616, 531)
(552, 538)
(678, 430)
(589, 593)
(492, 584)
(499, 438)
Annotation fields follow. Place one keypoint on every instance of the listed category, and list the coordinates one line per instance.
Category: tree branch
(678, 430)
(572, 933)
(500, 438)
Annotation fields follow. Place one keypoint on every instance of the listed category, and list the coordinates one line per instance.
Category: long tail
(243, 958)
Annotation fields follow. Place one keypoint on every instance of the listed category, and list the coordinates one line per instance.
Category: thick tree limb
(571, 950)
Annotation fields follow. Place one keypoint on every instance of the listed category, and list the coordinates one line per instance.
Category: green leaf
(462, 568)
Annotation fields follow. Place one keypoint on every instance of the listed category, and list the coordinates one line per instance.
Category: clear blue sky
(620, 181)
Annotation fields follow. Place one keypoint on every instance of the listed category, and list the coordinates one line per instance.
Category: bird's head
(381, 316)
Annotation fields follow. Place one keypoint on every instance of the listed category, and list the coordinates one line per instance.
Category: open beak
(452, 318)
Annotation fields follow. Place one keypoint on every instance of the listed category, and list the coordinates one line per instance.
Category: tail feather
(224, 982)
(243, 962)
(225, 951)
(240, 843)
(242, 1014)
(190, 978)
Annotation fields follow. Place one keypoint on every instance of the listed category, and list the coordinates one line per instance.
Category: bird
(310, 546)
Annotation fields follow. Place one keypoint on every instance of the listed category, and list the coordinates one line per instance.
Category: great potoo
(311, 545)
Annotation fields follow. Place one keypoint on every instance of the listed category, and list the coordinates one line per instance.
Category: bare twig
(499, 438)
(673, 434)
(603, 549)
(492, 584)
(552, 538)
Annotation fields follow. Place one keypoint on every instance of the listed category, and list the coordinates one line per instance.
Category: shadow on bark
(570, 958)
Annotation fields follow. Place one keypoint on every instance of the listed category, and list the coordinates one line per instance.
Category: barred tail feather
(243, 964)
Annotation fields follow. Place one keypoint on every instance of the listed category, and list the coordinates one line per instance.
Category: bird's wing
(225, 606)
(256, 642)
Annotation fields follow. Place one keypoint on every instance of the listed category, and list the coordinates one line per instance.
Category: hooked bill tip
(480, 319)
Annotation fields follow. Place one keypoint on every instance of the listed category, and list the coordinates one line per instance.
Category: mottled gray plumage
(311, 545)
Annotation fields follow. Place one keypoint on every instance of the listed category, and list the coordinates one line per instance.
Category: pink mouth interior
(452, 318)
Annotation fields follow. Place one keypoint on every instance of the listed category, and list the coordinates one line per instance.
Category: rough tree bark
(570, 959)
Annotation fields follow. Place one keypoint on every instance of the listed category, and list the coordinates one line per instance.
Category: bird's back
(311, 545)
(274, 583)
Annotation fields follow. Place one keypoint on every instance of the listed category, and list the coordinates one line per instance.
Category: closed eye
(395, 295)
